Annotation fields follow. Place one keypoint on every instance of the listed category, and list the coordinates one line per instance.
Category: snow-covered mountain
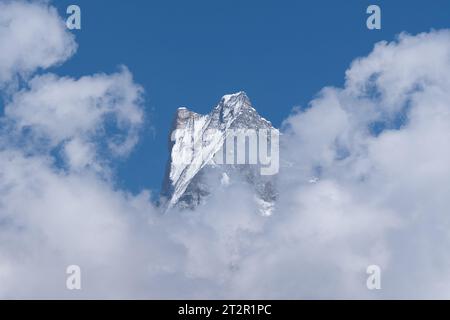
(196, 142)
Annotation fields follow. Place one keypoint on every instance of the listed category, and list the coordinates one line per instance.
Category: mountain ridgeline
(201, 147)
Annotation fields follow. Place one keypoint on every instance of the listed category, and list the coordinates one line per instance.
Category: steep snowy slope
(197, 142)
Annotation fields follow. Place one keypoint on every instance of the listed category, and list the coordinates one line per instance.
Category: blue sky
(190, 53)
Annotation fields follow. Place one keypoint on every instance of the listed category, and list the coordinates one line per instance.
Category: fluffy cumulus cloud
(379, 148)
(31, 37)
(73, 113)
(364, 181)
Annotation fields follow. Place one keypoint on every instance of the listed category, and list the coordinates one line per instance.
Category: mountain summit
(200, 153)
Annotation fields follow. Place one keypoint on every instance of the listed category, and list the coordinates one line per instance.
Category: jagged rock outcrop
(198, 141)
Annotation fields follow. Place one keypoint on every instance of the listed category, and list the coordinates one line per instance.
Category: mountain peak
(183, 117)
(235, 102)
(238, 97)
(190, 168)
(232, 107)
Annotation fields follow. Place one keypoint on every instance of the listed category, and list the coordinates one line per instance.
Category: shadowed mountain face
(200, 154)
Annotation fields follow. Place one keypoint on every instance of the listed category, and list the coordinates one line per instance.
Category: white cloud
(377, 151)
(79, 112)
(32, 36)
(399, 173)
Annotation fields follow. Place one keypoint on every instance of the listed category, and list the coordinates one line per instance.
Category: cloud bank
(364, 180)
